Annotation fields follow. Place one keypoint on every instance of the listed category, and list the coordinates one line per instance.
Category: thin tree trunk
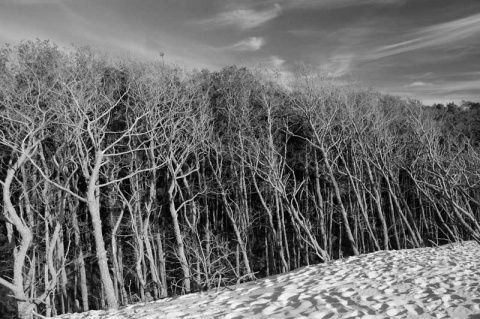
(395, 201)
(80, 259)
(338, 196)
(377, 200)
(320, 204)
(178, 237)
(231, 217)
(277, 242)
(161, 262)
(361, 205)
(66, 307)
(118, 274)
(151, 261)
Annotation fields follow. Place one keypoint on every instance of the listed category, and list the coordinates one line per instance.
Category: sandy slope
(439, 282)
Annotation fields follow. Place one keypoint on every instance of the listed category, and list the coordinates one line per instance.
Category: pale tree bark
(354, 182)
(24, 305)
(118, 273)
(161, 263)
(137, 218)
(93, 202)
(25, 88)
(319, 109)
(377, 199)
(276, 168)
(217, 173)
(27, 208)
(338, 196)
(185, 129)
(448, 168)
(97, 142)
(152, 209)
(79, 262)
(320, 202)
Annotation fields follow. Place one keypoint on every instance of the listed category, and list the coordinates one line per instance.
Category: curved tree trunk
(24, 305)
(93, 200)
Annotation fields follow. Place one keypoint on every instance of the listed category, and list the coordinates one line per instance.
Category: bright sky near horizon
(424, 49)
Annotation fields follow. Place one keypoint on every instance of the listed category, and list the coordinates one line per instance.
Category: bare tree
(321, 109)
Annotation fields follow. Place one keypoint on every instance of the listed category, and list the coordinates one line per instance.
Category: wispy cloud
(272, 62)
(426, 75)
(417, 84)
(436, 35)
(338, 65)
(340, 3)
(276, 61)
(245, 18)
(440, 91)
(250, 44)
(456, 86)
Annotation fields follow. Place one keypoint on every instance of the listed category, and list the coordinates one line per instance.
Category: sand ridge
(441, 282)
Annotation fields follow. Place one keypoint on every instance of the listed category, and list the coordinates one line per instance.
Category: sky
(423, 49)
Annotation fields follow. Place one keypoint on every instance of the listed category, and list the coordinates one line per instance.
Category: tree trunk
(361, 205)
(66, 307)
(151, 261)
(161, 265)
(24, 306)
(377, 200)
(178, 236)
(338, 196)
(395, 201)
(80, 260)
(118, 274)
(93, 200)
(320, 204)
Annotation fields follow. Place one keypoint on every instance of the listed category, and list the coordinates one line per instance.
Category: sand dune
(442, 282)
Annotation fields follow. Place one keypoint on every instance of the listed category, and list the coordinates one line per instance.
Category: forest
(124, 180)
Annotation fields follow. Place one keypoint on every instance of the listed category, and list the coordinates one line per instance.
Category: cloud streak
(436, 35)
(454, 87)
(338, 65)
(276, 61)
(332, 4)
(250, 44)
(418, 84)
(245, 18)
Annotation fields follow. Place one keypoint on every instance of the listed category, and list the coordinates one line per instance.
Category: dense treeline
(125, 181)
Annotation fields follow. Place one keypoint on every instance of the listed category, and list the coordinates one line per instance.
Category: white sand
(441, 282)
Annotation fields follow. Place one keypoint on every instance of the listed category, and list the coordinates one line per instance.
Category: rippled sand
(442, 282)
